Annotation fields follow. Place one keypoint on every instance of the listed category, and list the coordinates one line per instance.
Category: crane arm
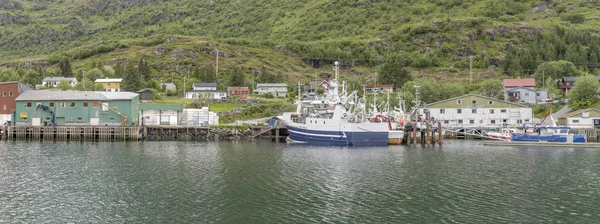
(47, 109)
(123, 117)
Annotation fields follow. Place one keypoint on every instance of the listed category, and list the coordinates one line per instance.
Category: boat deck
(543, 144)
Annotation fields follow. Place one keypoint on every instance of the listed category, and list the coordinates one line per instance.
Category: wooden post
(439, 132)
(276, 132)
(414, 135)
(427, 141)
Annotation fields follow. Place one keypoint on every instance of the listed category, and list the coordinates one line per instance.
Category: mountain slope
(434, 36)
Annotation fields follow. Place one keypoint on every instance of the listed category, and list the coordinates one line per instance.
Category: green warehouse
(77, 108)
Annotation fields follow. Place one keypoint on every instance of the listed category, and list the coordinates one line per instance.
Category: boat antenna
(336, 68)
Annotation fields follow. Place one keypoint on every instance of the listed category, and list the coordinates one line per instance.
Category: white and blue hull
(338, 138)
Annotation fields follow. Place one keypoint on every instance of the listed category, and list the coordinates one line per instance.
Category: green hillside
(300, 39)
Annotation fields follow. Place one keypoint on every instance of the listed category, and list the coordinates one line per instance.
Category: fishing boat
(335, 119)
(548, 134)
(504, 135)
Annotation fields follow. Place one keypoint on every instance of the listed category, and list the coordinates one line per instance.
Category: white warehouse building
(473, 111)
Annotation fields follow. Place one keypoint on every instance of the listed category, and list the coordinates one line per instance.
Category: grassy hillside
(299, 38)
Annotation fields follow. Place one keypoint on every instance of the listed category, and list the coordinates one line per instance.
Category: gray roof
(205, 84)
(271, 85)
(73, 95)
(143, 90)
(119, 95)
(58, 79)
(574, 78)
(59, 95)
(206, 91)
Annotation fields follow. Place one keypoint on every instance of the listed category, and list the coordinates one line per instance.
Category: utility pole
(217, 68)
(471, 69)
(184, 87)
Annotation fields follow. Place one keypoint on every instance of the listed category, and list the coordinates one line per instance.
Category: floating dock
(543, 144)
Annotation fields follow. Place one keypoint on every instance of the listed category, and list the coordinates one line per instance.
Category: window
(442, 111)
(72, 105)
(63, 104)
(4, 108)
(474, 111)
(519, 121)
(492, 121)
(108, 84)
(504, 121)
(502, 110)
(575, 121)
(459, 111)
(4, 94)
(323, 122)
(10, 93)
(28, 104)
(471, 121)
(526, 120)
(79, 119)
(446, 122)
(490, 102)
(474, 101)
(47, 118)
(538, 94)
(85, 104)
(51, 104)
(112, 118)
(460, 121)
(491, 111)
(526, 94)
(459, 102)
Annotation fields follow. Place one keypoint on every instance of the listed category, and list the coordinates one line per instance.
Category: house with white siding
(275, 89)
(585, 118)
(478, 111)
(54, 81)
(523, 91)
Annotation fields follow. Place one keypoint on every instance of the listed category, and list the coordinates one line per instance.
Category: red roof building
(238, 91)
(526, 82)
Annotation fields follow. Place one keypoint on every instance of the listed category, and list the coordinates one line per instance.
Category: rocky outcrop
(9, 18)
(539, 8)
(180, 53)
(160, 50)
(359, 4)
(112, 62)
(10, 5)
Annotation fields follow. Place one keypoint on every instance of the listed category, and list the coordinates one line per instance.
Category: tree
(88, 85)
(553, 90)
(492, 88)
(236, 77)
(393, 72)
(94, 74)
(584, 92)
(207, 74)
(32, 78)
(554, 70)
(132, 80)
(108, 71)
(144, 70)
(64, 85)
(65, 68)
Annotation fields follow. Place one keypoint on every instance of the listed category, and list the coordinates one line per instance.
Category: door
(36, 121)
(94, 121)
(173, 120)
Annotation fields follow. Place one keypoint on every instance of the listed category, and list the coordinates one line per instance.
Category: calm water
(264, 182)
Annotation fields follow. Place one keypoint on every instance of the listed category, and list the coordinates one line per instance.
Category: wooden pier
(73, 133)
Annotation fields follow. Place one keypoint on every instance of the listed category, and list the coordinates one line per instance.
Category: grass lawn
(223, 107)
